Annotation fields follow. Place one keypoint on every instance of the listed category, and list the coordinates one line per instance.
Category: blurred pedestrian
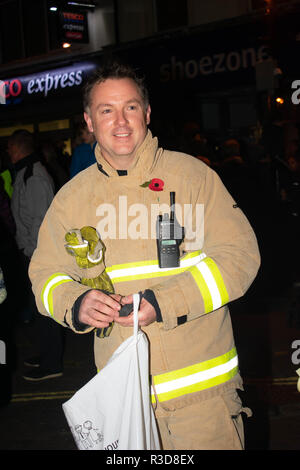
(53, 165)
(238, 177)
(83, 154)
(33, 191)
(9, 302)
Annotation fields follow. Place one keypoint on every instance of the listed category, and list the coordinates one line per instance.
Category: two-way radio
(169, 235)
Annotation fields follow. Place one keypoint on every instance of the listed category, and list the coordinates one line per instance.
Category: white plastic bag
(113, 411)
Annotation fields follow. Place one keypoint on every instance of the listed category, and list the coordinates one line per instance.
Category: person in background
(56, 170)
(33, 191)
(83, 154)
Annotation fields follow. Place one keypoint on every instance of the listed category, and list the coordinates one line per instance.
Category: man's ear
(148, 112)
(88, 122)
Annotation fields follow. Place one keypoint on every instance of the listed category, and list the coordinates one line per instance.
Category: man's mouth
(122, 133)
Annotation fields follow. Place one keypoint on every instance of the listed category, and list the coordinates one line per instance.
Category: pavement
(31, 414)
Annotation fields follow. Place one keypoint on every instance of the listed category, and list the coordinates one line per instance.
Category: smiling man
(184, 308)
(118, 117)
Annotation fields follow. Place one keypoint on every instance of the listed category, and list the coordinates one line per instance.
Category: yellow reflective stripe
(199, 279)
(149, 268)
(218, 279)
(203, 269)
(210, 283)
(197, 377)
(54, 281)
(198, 387)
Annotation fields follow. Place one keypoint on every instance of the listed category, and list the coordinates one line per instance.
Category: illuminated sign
(44, 84)
(74, 27)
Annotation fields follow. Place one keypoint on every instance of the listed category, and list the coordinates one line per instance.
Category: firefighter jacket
(192, 350)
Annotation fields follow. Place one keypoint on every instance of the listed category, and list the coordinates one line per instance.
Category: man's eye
(132, 107)
(106, 111)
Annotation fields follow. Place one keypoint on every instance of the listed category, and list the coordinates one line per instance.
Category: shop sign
(44, 84)
(74, 26)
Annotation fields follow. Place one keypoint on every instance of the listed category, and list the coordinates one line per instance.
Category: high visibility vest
(7, 182)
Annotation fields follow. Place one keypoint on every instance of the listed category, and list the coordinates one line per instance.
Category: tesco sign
(44, 84)
(10, 88)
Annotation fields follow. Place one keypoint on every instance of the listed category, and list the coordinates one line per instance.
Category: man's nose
(121, 117)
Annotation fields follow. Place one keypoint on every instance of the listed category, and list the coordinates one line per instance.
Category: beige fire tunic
(192, 351)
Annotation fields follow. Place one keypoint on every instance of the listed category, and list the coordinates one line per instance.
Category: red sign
(74, 26)
(10, 88)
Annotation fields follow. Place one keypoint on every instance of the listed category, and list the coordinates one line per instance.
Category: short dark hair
(114, 70)
(23, 139)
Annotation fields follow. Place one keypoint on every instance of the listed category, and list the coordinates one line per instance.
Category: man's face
(118, 119)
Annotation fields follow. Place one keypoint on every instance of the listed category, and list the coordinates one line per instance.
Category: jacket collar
(145, 158)
(26, 161)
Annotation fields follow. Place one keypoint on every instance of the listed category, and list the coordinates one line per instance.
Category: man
(183, 310)
(33, 191)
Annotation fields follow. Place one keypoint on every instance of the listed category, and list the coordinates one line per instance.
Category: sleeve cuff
(75, 313)
(150, 297)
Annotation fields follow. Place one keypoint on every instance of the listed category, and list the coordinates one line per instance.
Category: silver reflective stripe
(47, 293)
(198, 377)
(132, 271)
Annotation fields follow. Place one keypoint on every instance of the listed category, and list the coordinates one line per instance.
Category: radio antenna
(172, 204)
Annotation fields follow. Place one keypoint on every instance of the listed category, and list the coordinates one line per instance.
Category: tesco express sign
(44, 83)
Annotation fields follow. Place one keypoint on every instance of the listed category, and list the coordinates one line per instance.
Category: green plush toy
(87, 248)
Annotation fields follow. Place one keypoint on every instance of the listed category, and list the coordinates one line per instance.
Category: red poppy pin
(155, 184)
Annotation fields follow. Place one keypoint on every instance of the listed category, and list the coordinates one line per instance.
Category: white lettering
(143, 224)
(193, 226)
(39, 87)
(296, 354)
(157, 209)
(71, 79)
(107, 226)
(205, 65)
(63, 80)
(48, 83)
(220, 59)
(138, 228)
(123, 217)
(2, 352)
(191, 69)
(296, 94)
(56, 80)
(262, 53)
(248, 57)
(231, 61)
(30, 87)
(2, 94)
(78, 77)
(176, 65)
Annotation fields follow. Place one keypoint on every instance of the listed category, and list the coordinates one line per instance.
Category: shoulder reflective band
(54, 281)
(149, 269)
(195, 378)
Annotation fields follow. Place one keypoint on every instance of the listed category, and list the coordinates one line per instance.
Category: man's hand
(146, 313)
(98, 309)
